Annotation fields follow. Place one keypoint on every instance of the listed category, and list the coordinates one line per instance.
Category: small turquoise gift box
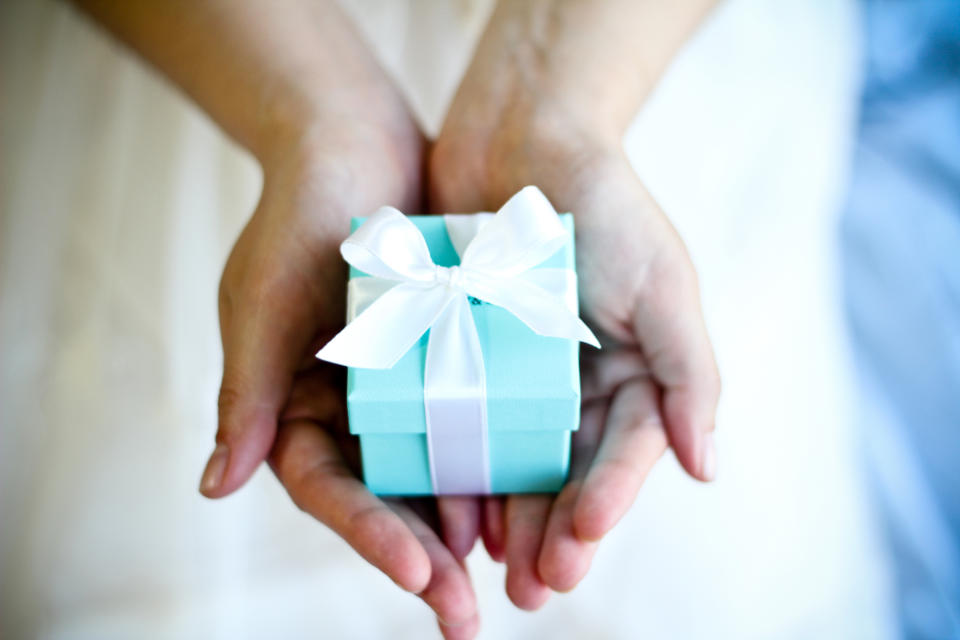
(462, 343)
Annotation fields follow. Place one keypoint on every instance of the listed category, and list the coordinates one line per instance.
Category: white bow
(498, 267)
(525, 232)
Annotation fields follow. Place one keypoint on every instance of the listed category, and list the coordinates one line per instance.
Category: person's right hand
(282, 296)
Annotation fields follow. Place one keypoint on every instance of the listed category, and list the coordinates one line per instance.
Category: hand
(282, 296)
(655, 382)
(282, 289)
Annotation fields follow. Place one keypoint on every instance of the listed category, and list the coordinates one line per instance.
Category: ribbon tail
(544, 312)
(455, 402)
(388, 328)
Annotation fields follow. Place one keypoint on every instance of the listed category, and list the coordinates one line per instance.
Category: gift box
(510, 430)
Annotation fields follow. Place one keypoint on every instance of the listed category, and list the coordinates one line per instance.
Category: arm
(265, 72)
(576, 63)
(554, 73)
(546, 101)
(293, 83)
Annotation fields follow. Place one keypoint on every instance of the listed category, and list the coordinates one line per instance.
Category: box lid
(533, 382)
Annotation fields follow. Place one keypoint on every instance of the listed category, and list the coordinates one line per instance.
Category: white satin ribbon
(408, 294)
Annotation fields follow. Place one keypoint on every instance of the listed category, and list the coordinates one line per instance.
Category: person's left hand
(654, 383)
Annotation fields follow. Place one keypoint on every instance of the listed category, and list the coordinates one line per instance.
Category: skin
(294, 84)
(541, 104)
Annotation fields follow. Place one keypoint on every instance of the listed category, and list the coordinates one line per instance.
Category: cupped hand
(654, 384)
(282, 296)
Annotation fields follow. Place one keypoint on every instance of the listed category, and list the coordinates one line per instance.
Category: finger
(564, 557)
(309, 464)
(317, 394)
(603, 371)
(669, 325)
(449, 592)
(459, 522)
(493, 529)
(690, 425)
(526, 519)
(633, 441)
(263, 341)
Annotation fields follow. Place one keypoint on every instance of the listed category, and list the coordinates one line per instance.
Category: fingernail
(708, 465)
(454, 625)
(462, 547)
(216, 466)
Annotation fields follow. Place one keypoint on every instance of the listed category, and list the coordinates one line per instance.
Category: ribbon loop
(525, 232)
(387, 245)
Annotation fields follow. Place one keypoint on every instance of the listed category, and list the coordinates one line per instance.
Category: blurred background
(809, 154)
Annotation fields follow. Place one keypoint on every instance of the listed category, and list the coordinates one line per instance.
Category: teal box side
(396, 464)
(520, 462)
(533, 396)
(529, 461)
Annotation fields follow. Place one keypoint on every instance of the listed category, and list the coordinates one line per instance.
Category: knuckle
(630, 471)
(366, 517)
(309, 487)
(301, 484)
(301, 501)
(229, 402)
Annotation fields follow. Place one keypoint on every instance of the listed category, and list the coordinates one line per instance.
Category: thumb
(263, 343)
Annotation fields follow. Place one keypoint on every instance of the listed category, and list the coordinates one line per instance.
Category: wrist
(512, 124)
(347, 138)
(311, 121)
(542, 62)
(535, 144)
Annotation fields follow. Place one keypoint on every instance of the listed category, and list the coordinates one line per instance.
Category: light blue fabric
(901, 240)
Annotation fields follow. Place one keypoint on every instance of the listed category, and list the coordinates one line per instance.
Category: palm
(638, 293)
(282, 297)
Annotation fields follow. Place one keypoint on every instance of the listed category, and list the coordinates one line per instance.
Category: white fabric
(118, 206)
(455, 405)
(388, 246)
